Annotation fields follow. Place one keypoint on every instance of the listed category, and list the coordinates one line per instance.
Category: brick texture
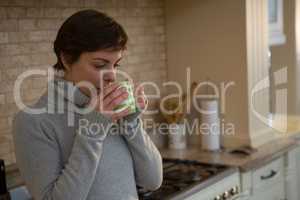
(27, 32)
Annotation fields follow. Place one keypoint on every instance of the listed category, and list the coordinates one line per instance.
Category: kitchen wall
(27, 31)
(209, 36)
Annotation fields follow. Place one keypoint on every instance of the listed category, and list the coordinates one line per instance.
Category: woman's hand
(140, 97)
(108, 99)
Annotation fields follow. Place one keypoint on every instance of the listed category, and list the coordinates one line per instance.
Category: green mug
(130, 101)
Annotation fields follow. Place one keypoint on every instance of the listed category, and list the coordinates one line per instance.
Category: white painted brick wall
(27, 32)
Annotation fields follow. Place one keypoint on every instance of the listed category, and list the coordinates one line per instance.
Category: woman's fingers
(140, 97)
(109, 89)
(116, 101)
(142, 103)
(120, 115)
(113, 95)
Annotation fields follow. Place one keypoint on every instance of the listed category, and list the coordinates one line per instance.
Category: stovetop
(180, 175)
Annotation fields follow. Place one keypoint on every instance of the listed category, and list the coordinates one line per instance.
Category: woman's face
(98, 68)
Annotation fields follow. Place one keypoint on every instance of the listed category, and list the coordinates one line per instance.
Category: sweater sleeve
(147, 159)
(39, 160)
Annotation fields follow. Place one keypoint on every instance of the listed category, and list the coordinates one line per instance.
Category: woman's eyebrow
(105, 60)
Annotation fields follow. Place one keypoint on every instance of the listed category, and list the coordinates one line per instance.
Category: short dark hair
(87, 31)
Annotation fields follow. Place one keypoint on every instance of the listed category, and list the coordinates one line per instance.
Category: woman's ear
(64, 61)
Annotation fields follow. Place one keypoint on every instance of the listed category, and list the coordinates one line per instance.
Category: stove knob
(225, 195)
(217, 197)
(234, 190)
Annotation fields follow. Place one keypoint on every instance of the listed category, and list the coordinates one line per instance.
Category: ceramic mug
(130, 101)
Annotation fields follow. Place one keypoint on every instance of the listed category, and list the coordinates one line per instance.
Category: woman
(60, 161)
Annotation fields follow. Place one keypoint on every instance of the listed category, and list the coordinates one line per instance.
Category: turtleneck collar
(69, 91)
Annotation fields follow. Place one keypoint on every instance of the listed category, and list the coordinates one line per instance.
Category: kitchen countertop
(260, 157)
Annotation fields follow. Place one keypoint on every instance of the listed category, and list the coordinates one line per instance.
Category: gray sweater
(59, 161)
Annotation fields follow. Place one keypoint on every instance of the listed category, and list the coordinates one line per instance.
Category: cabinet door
(293, 174)
(275, 192)
(298, 171)
(268, 182)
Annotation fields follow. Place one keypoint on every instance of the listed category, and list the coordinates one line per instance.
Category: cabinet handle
(272, 174)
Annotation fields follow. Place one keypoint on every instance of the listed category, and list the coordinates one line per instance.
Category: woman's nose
(110, 75)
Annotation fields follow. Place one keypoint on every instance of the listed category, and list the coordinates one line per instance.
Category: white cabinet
(278, 179)
(292, 164)
(274, 192)
(267, 182)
